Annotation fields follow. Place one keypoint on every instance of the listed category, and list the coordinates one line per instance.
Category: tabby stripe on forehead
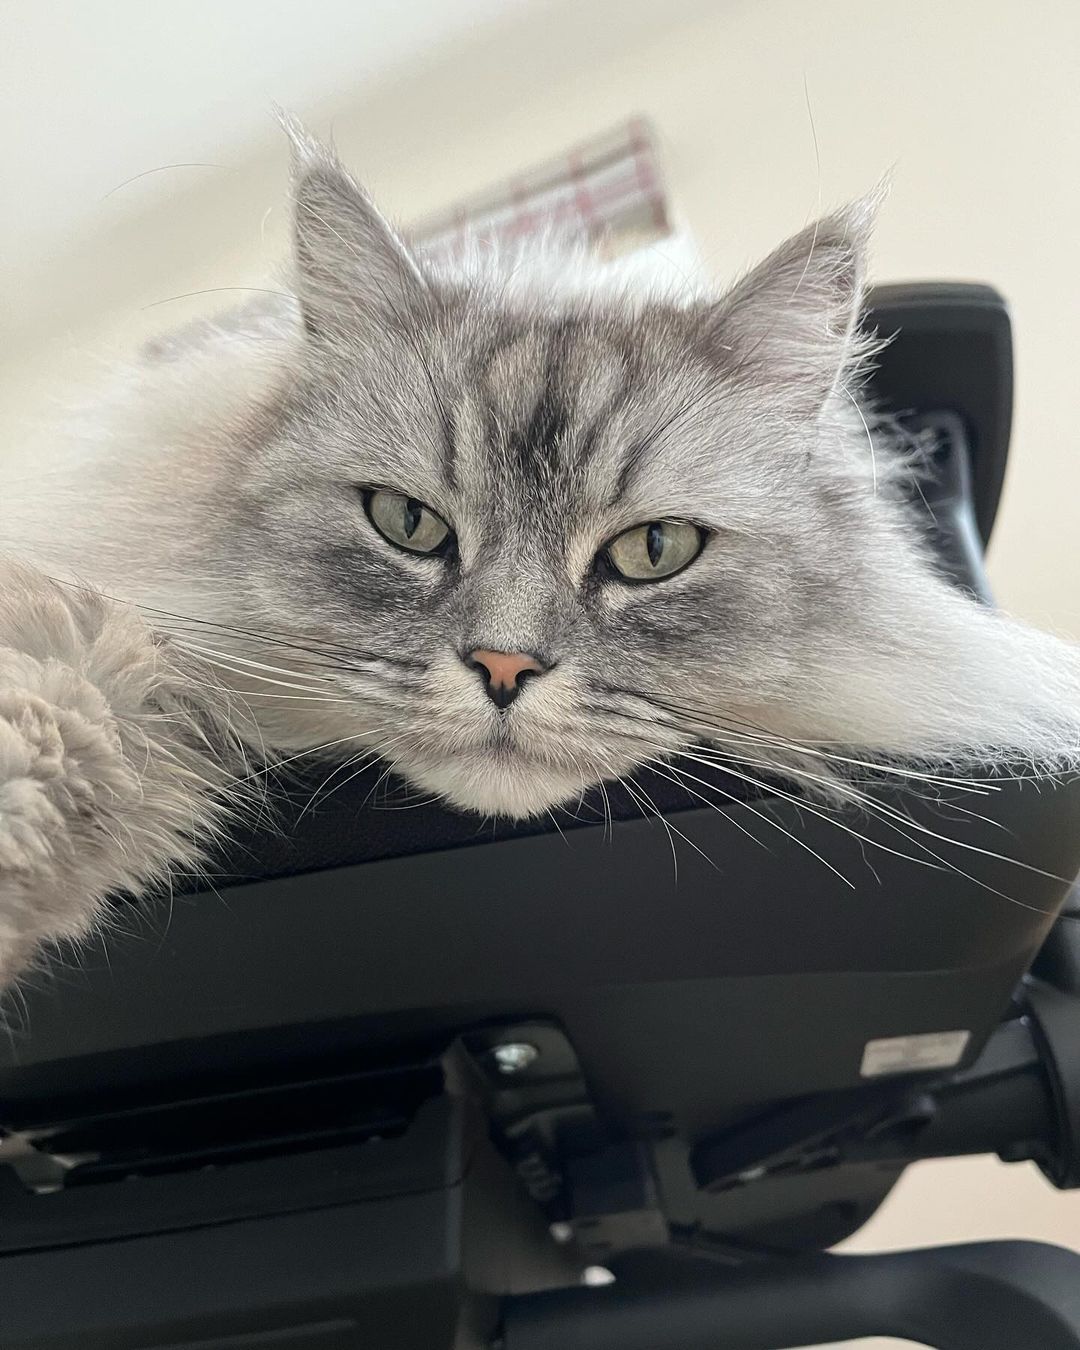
(591, 435)
(547, 425)
(629, 469)
(449, 460)
(636, 451)
(446, 422)
(545, 428)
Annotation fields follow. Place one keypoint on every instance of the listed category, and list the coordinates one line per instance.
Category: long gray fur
(541, 405)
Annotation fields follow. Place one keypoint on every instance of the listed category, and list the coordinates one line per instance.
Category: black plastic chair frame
(292, 1124)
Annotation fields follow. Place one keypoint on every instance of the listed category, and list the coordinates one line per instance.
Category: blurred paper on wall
(609, 191)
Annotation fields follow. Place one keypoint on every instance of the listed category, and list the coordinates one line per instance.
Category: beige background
(973, 103)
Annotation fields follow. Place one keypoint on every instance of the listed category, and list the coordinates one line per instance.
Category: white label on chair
(909, 1054)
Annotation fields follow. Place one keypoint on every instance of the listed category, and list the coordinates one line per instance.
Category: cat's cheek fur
(103, 782)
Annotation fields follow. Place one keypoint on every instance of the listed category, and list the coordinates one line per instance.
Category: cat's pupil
(413, 512)
(654, 542)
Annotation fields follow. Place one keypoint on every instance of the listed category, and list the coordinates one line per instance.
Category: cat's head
(547, 531)
(541, 536)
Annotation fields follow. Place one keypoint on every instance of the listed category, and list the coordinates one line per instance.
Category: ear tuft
(305, 146)
(793, 321)
(353, 269)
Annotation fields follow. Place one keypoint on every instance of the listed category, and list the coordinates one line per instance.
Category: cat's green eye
(656, 550)
(406, 522)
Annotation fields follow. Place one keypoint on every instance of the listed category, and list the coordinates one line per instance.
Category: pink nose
(503, 673)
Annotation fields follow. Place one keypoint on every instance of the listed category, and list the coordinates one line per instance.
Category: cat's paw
(63, 778)
(106, 776)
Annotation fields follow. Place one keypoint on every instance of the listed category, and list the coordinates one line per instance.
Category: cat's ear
(352, 268)
(793, 321)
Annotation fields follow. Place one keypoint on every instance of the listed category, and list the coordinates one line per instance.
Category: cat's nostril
(503, 673)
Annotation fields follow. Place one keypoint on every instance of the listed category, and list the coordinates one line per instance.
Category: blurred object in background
(608, 190)
(609, 193)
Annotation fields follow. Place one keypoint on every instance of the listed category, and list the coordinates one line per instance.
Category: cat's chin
(496, 784)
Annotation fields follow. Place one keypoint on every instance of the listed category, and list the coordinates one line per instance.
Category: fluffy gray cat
(520, 527)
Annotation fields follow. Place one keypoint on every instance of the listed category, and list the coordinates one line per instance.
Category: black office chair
(400, 1077)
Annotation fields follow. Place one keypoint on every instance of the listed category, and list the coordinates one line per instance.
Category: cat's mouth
(524, 761)
(498, 777)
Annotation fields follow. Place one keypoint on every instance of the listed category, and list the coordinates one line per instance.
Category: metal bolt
(514, 1056)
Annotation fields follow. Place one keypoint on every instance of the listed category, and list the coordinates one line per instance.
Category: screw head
(514, 1056)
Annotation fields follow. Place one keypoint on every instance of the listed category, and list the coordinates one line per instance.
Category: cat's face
(547, 539)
